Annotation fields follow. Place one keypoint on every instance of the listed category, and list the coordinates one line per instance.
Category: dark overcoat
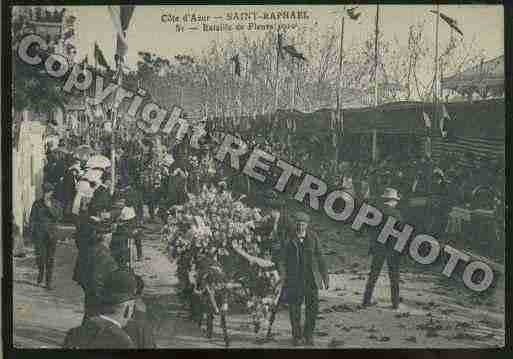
(42, 220)
(289, 265)
(387, 248)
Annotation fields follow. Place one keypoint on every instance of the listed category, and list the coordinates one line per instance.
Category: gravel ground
(435, 313)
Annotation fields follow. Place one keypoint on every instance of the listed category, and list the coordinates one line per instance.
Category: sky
(147, 32)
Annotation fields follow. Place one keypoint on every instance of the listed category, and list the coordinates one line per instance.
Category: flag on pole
(353, 15)
(427, 120)
(443, 123)
(450, 21)
(236, 61)
(121, 16)
(100, 58)
(291, 50)
(280, 45)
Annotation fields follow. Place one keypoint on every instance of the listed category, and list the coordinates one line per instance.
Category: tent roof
(480, 119)
(488, 73)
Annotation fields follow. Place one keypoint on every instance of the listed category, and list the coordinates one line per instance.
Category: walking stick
(274, 310)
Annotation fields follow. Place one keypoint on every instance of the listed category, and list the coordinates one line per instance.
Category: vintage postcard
(327, 176)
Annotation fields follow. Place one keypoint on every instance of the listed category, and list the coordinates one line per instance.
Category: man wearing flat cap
(384, 252)
(44, 214)
(303, 271)
(116, 300)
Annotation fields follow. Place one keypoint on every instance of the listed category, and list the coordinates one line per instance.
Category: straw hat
(127, 213)
(168, 160)
(93, 176)
(391, 193)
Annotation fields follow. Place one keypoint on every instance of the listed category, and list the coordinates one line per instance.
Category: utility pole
(278, 52)
(436, 81)
(114, 115)
(340, 120)
(376, 88)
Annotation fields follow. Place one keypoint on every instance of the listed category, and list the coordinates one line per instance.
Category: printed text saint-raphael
(266, 15)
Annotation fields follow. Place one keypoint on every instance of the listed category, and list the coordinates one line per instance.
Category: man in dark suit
(43, 215)
(95, 268)
(384, 252)
(105, 330)
(303, 271)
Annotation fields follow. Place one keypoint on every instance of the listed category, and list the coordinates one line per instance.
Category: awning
(487, 74)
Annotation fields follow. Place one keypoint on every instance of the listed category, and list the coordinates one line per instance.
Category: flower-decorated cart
(219, 250)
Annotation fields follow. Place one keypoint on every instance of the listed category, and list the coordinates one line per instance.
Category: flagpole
(436, 82)
(292, 87)
(88, 120)
(339, 89)
(376, 98)
(113, 131)
(277, 75)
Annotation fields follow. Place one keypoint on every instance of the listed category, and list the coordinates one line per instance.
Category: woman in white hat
(101, 201)
(384, 252)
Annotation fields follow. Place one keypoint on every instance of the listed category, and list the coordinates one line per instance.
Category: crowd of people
(77, 191)
(437, 185)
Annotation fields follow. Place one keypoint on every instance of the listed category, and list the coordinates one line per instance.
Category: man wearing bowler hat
(384, 252)
(303, 271)
(116, 300)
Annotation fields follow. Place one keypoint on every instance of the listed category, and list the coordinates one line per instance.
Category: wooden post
(376, 98)
(114, 115)
(277, 74)
(339, 122)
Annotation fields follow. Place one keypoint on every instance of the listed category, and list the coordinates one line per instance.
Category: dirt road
(435, 313)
